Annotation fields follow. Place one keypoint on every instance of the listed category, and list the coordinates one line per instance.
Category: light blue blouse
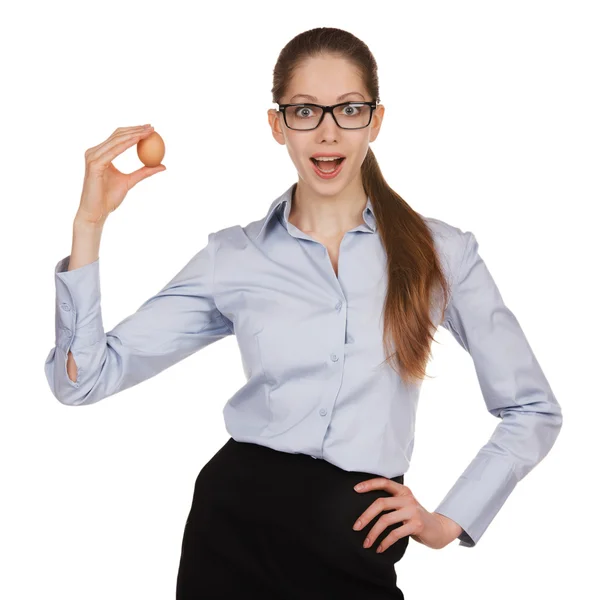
(312, 352)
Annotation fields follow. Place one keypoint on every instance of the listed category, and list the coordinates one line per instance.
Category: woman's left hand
(431, 529)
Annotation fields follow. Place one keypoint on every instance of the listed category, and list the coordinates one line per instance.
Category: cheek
(361, 149)
(299, 155)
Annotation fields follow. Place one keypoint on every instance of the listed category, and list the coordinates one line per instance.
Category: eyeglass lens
(348, 116)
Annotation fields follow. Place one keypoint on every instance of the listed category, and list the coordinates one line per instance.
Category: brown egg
(151, 150)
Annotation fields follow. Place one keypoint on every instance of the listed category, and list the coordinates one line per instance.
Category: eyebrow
(315, 99)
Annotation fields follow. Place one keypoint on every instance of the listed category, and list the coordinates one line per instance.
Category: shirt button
(65, 307)
(323, 412)
(338, 305)
(334, 357)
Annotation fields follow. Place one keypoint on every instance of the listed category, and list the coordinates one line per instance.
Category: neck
(328, 215)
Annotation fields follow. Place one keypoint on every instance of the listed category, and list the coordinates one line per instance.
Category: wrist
(80, 223)
(452, 528)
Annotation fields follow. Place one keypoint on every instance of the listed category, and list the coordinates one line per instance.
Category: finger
(383, 483)
(108, 153)
(117, 137)
(130, 128)
(376, 507)
(117, 134)
(383, 523)
(394, 536)
(137, 176)
(125, 130)
(373, 484)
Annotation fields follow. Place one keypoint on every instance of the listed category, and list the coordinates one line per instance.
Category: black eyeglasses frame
(328, 109)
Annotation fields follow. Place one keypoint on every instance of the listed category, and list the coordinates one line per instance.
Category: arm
(514, 389)
(177, 321)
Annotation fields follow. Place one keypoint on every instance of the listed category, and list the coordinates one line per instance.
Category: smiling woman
(267, 519)
(273, 511)
(315, 291)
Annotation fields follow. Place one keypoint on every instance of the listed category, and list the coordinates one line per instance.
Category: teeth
(327, 157)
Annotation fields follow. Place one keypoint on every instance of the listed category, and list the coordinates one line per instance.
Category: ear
(276, 124)
(376, 122)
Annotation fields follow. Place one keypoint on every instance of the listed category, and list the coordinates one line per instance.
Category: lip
(328, 175)
(328, 155)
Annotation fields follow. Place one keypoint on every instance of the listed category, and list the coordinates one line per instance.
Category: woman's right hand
(104, 186)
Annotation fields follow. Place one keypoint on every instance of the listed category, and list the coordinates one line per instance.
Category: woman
(275, 512)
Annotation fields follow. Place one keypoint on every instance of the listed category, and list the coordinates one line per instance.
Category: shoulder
(450, 242)
(442, 230)
(237, 237)
(230, 237)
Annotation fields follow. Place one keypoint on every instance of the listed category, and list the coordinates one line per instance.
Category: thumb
(143, 172)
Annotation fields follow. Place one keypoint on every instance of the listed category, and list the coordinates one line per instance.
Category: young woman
(334, 297)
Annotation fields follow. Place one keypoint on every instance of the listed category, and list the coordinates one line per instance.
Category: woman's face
(329, 81)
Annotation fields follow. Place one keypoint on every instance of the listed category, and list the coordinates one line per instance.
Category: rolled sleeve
(514, 389)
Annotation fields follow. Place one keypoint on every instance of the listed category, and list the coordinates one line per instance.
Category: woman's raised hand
(104, 186)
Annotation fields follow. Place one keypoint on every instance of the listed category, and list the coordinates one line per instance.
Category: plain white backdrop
(491, 125)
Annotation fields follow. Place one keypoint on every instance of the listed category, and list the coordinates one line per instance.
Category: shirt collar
(283, 204)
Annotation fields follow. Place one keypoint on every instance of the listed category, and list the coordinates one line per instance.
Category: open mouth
(328, 166)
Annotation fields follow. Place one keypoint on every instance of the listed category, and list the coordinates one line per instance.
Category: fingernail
(357, 525)
(359, 486)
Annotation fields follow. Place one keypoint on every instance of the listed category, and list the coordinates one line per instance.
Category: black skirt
(276, 525)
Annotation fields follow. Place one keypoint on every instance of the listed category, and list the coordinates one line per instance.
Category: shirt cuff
(78, 321)
(478, 495)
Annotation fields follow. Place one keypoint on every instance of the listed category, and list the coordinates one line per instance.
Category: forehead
(325, 79)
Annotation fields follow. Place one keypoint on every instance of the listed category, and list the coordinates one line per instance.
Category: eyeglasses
(304, 117)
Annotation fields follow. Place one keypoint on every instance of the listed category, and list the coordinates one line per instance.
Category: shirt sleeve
(514, 389)
(177, 321)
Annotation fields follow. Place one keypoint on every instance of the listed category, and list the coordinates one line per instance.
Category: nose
(328, 126)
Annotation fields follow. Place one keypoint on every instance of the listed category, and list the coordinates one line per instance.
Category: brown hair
(413, 267)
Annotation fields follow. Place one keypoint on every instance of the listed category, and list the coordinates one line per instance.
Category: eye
(301, 111)
(355, 109)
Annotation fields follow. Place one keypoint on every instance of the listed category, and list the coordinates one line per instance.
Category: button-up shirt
(312, 353)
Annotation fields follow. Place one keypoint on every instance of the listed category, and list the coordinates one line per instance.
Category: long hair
(413, 267)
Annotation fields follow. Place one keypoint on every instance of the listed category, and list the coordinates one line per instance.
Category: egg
(151, 150)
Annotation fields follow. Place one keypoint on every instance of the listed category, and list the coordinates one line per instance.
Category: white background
(491, 124)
